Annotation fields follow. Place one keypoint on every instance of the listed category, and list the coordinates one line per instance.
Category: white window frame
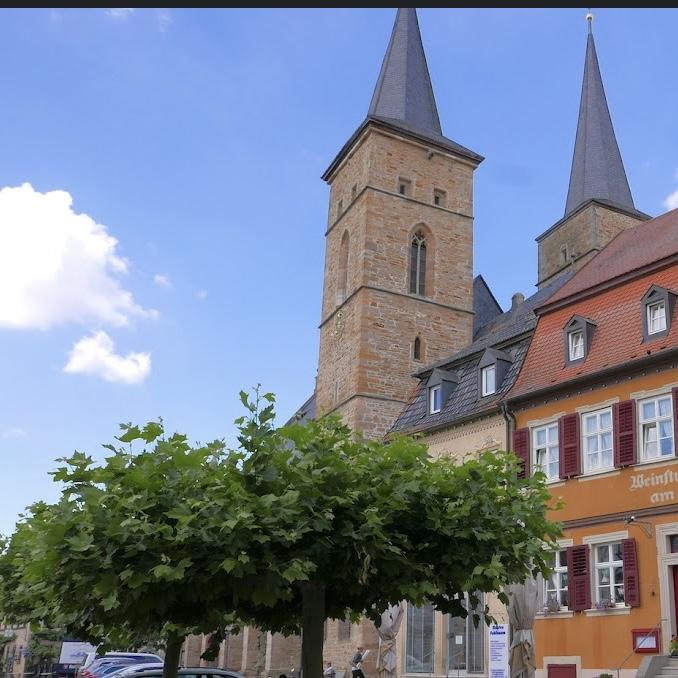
(642, 423)
(484, 380)
(431, 398)
(598, 434)
(551, 449)
(572, 346)
(655, 304)
(559, 571)
(610, 565)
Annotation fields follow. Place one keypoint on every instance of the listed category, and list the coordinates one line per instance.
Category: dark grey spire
(404, 92)
(597, 167)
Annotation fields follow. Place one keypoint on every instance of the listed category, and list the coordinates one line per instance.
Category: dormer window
(658, 304)
(435, 397)
(575, 342)
(578, 336)
(440, 386)
(489, 380)
(656, 317)
(493, 367)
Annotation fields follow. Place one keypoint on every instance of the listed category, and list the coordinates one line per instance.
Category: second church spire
(597, 167)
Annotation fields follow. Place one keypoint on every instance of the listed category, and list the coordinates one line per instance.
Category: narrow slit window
(417, 348)
(439, 197)
(418, 264)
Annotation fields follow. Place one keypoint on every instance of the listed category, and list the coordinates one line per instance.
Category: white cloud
(201, 295)
(119, 12)
(162, 281)
(12, 433)
(95, 356)
(671, 201)
(58, 266)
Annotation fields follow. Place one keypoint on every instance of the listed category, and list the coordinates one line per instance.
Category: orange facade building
(596, 409)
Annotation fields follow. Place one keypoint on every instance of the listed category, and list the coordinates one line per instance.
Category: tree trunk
(312, 625)
(172, 653)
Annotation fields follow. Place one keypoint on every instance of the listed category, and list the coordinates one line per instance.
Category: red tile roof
(631, 250)
(617, 313)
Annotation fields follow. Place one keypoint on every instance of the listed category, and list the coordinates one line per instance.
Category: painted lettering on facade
(668, 477)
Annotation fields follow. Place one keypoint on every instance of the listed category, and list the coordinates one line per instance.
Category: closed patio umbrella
(388, 630)
(522, 608)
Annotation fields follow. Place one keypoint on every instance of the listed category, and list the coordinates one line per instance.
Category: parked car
(191, 672)
(131, 669)
(93, 664)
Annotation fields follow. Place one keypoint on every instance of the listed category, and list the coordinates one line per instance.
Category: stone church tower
(599, 202)
(399, 245)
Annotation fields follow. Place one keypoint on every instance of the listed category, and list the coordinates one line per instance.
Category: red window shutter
(568, 446)
(578, 578)
(631, 580)
(521, 448)
(624, 418)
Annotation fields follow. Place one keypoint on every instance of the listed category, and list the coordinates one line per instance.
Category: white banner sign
(74, 652)
(499, 650)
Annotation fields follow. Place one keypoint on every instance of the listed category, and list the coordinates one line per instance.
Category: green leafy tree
(164, 540)
(299, 524)
(370, 523)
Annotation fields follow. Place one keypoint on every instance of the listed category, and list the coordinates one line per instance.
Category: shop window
(466, 640)
(420, 639)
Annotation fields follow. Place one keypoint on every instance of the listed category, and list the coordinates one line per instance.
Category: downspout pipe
(510, 423)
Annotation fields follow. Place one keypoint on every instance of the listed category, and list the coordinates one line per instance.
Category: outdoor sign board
(499, 650)
(74, 652)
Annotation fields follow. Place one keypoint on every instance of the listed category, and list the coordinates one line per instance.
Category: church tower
(599, 202)
(399, 245)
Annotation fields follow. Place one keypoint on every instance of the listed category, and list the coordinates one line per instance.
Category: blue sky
(187, 263)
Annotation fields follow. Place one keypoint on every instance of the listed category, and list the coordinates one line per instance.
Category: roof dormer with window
(657, 310)
(492, 370)
(578, 336)
(439, 387)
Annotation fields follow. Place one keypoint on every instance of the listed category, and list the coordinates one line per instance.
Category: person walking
(357, 661)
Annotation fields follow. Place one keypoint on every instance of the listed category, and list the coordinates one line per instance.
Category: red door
(562, 671)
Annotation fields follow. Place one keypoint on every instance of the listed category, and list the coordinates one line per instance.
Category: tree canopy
(299, 523)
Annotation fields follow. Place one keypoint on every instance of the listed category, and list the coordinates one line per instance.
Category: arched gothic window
(418, 264)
